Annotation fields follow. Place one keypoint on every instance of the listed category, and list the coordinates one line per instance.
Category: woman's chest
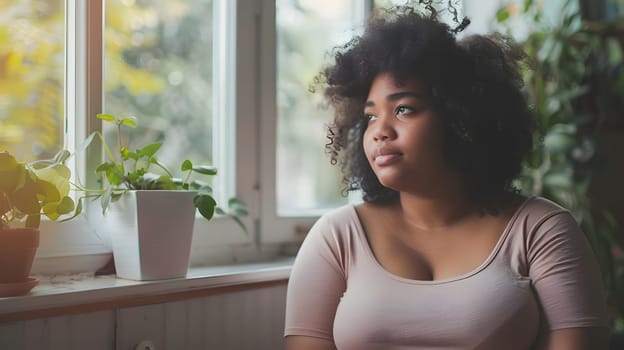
(492, 309)
(434, 255)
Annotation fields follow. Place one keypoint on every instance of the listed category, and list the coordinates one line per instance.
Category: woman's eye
(370, 117)
(404, 110)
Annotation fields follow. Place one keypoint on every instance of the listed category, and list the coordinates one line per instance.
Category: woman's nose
(383, 129)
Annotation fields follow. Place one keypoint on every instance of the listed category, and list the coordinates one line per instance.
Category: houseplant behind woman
(443, 253)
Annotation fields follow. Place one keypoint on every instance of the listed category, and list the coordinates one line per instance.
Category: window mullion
(224, 80)
(93, 81)
(83, 72)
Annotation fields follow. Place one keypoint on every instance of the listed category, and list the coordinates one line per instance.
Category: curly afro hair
(476, 90)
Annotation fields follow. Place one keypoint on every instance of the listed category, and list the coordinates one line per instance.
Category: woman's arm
(316, 284)
(566, 277)
(298, 342)
(585, 338)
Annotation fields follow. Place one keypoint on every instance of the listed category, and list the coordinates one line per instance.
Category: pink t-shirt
(541, 273)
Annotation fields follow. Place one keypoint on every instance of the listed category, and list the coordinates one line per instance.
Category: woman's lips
(386, 158)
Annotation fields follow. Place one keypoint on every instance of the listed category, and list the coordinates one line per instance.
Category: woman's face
(403, 141)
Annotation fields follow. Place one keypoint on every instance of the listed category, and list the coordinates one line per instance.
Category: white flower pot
(151, 233)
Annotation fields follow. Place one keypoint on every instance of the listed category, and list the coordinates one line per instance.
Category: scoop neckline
(503, 237)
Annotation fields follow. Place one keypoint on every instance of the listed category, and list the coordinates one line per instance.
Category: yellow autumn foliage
(32, 52)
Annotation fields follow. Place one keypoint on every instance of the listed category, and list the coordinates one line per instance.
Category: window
(32, 47)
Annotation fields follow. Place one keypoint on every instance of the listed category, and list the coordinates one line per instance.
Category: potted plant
(150, 216)
(27, 191)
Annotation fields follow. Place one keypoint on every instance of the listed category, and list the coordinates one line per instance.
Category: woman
(443, 253)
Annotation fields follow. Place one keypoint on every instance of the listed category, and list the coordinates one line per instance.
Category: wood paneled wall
(238, 320)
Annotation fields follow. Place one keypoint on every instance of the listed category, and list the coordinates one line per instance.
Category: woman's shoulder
(339, 216)
(335, 223)
(536, 208)
(543, 204)
(335, 235)
(541, 218)
(354, 213)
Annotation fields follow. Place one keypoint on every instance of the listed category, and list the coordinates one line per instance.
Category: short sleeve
(565, 274)
(316, 284)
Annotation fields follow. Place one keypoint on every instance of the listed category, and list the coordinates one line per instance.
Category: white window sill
(79, 246)
(77, 293)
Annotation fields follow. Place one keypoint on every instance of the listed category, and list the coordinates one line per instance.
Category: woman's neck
(429, 213)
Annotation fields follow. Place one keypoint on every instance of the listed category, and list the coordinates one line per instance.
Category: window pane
(307, 30)
(158, 67)
(32, 44)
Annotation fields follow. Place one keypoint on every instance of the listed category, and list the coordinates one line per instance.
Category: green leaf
(127, 154)
(104, 167)
(206, 205)
(7, 162)
(205, 189)
(66, 205)
(129, 121)
(186, 165)
(61, 156)
(241, 212)
(11, 173)
(165, 182)
(205, 169)
(559, 142)
(76, 212)
(116, 195)
(25, 198)
(527, 5)
(234, 203)
(559, 180)
(152, 181)
(86, 142)
(114, 175)
(149, 150)
(240, 224)
(201, 186)
(133, 177)
(106, 117)
(50, 210)
(33, 220)
(502, 14)
(105, 199)
(48, 191)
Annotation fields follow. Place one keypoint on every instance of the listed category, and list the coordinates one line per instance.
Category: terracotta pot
(17, 253)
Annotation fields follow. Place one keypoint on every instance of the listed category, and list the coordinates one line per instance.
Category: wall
(240, 320)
